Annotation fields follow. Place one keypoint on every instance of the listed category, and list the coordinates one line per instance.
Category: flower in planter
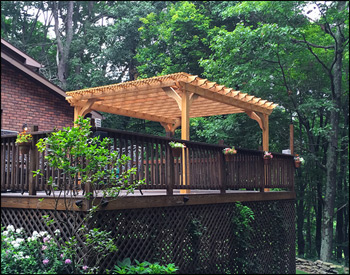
(23, 137)
(267, 155)
(229, 151)
(174, 144)
(298, 158)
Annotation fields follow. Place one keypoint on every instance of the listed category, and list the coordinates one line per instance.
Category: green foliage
(125, 267)
(174, 144)
(173, 40)
(76, 153)
(91, 156)
(241, 231)
(243, 219)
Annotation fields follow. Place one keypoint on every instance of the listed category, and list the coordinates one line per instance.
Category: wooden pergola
(172, 100)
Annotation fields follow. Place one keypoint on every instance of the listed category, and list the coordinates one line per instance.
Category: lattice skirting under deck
(197, 238)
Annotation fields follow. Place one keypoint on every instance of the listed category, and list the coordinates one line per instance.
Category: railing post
(89, 192)
(170, 172)
(222, 172)
(33, 154)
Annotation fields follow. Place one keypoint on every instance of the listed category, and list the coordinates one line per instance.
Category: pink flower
(46, 261)
(46, 239)
(85, 267)
(43, 247)
(67, 261)
(61, 256)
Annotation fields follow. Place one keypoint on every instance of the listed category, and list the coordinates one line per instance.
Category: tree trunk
(308, 231)
(327, 224)
(63, 48)
(318, 211)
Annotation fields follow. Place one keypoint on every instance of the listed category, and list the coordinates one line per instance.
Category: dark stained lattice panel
(198, 239)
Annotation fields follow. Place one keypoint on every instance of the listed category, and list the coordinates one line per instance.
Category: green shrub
(125, 267)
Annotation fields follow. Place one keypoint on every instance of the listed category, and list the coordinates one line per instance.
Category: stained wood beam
(185, 116)
(9, 200)
(123, 112)
(171, 127)
(83, 109)
(237, 102)
(254, 116)
(265, 135)
(114, 90)
(174, 95)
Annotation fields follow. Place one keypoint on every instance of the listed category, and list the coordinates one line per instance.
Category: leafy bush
(125, 267)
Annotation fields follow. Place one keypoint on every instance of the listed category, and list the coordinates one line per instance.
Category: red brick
(23, 100)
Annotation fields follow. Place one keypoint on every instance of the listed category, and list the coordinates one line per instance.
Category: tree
(173, 41)
(269, 52)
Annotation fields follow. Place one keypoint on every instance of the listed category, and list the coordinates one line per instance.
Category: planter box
(176, 152)
(267, 161)
(24, 147)
(229, 157)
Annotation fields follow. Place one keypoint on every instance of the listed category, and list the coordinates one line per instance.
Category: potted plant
(24, 141)
(298, 161)
(176, 148)
(229, 153)
(267, 157)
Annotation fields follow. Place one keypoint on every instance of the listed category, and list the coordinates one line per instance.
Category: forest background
(270, 49)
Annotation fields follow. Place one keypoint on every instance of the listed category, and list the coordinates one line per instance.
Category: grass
(300, 272)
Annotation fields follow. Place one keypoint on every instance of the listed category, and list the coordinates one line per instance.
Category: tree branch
(315, 55)
(313, 45)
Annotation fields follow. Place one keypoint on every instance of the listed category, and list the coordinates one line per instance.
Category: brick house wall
(24, 100)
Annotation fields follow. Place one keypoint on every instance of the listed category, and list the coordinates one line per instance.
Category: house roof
(25, 64)
(160, 98)
(6, 46)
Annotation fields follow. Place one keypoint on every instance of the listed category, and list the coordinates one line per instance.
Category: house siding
(23, 100)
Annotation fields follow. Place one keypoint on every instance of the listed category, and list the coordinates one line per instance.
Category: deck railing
(201, 165)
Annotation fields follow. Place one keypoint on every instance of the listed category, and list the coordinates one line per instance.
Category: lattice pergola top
(161, 98)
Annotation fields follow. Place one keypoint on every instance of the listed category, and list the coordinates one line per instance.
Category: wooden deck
(202, 171)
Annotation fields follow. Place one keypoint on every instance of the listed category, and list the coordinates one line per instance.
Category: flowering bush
(298, 158)
(23, 137)
(36, 254)
(267, 155)
(229, 151)
(174, 144)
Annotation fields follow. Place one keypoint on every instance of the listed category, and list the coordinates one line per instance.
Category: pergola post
(185, 135)
(265, 136)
